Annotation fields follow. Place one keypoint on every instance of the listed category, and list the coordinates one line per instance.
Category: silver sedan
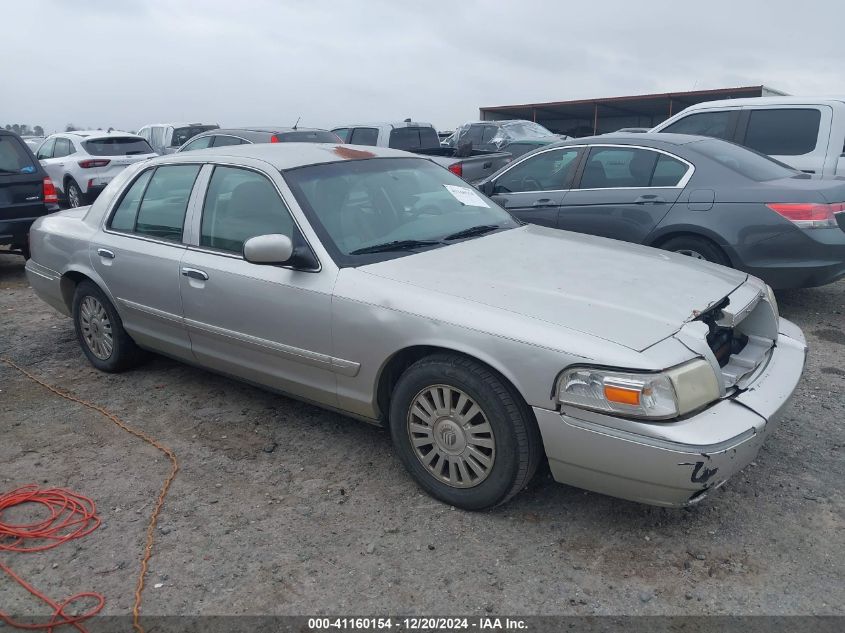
(376, 283)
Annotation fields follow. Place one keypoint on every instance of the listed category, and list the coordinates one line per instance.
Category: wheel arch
(657, 239)
(393, 368)
(70, 279)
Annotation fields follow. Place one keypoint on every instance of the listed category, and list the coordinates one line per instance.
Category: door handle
(543, 202)
(103, 252)
(649, 198)
(195, 273)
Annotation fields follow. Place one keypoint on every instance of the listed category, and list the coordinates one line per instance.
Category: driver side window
(546, 171)
(241, 204)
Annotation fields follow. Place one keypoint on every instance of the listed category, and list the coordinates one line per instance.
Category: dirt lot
(283, 508)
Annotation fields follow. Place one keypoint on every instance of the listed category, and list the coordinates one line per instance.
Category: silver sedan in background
(376, 283)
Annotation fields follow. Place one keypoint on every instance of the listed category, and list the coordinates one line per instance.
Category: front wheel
(100, 332)
(462, 432)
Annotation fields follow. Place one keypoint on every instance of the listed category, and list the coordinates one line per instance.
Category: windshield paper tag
(466, 196)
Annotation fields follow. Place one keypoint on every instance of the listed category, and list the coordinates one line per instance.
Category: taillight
(88, 163)
(457, 169)
(50, 196)
(274, 139)
(808, 215)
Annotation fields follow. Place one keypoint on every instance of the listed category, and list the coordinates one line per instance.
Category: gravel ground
(282, 508)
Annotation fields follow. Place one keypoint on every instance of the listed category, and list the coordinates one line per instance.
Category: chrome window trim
(681, 183)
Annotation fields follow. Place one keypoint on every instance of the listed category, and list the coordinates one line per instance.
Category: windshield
(182, 135)
(308, 136)
(743, 161)
(356, 205)
(118, 146)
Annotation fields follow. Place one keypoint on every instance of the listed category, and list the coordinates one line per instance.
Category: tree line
(24, 130)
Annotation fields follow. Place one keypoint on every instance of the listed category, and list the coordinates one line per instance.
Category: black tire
(518, 447)
(689, 244)
(124, 353)
(73, 192)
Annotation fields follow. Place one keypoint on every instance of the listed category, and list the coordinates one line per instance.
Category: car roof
(765, 101)
(177, 124)
(291, 155)
(89, 135)
(634, 138)
(269, 129)
(385, 124)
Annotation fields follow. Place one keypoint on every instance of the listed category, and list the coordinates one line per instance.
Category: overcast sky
(102, 63)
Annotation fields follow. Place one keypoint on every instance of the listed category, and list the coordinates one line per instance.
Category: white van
(805, 133)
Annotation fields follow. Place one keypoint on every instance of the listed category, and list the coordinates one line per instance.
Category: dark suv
(26, 192)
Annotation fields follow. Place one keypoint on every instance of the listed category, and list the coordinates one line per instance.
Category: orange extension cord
(74, 516)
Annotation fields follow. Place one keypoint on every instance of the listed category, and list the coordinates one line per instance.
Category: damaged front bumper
(674, 464)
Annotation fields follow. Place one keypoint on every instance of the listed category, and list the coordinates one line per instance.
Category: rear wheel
(697, 248)
(75, 197)
(100, 332)
(462, 432)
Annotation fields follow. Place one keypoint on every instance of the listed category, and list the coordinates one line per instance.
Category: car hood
(631, 295)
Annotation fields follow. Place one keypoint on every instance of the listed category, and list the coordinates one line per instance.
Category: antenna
(297, 122)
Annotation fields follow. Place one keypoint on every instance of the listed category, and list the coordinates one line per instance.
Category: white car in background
(166, 138)
(82, 163)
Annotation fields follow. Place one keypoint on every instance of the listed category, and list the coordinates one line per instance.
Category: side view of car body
(381, 285)
(166, 138)
(805, 133)
(26, 192)
(82, 163)
(698, 196)
(243, 136)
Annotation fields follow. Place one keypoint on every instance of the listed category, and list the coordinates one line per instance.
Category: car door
(532, 189)
(138, 253)
(268, 324)
(623, 192)
(795, 135)
(52, 167)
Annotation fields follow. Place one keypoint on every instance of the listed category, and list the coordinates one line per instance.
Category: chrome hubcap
(96, 328)
(691, 253)
(451, 436)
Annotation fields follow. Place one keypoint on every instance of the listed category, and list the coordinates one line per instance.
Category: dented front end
(759, 359)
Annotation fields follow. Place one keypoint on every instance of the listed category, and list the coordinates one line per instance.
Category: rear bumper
(797, 258)
(695, 455)
(17, 231)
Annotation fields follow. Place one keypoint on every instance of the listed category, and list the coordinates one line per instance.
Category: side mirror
(487, 187)
(268, 249)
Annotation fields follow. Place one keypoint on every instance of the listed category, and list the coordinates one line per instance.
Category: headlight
(657, 396)
(770, 295)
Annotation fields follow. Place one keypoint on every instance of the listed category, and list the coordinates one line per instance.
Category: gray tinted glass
(165, 202)
(124, 217)
(241, 204)
(199, 143)
(718, 124)
(609, 167)
(223, 140)
(781, 132)
(742, 160)
(13, 156)
(668, 172)
(364, 136)
(547, 171)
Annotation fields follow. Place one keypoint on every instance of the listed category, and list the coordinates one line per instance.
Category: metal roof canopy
(594, 116)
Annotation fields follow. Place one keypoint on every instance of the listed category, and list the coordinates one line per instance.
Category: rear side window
(182, 135)
(156, 203)
(199, 143)
(364, 136)
(717, 124)
(743, 160)
(241, 204)
(413, 138)
(117, 146)
(668, 172)
(123, 218)
(14, 157)
(224, 140)
(783, 132)
(609, 167)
